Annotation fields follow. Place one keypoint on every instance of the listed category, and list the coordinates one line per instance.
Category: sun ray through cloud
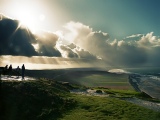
(79, 38)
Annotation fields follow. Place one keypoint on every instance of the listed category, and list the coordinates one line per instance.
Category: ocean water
(146, 80)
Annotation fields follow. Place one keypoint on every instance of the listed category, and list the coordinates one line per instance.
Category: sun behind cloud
(26, 18)
(29, 16)
(42, 17)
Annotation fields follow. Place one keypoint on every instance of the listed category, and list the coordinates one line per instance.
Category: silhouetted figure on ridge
(18, 71)
(6, 67)
(5, 70)
(23, 70)
(10, 70)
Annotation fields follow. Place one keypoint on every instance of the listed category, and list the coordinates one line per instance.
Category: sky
(119, 18)
(119, 32)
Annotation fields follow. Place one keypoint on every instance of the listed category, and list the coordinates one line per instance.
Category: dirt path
(147, 104)
(89, 92)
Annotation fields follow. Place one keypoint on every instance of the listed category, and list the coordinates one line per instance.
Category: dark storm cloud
(18, 40)
(128, 54)
(14, 40)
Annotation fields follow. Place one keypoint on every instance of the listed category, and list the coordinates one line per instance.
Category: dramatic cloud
(66, 51)
(141, 50)
(78, 42)
(149, 41)
(14, 40)
(73, 51)
(18, 40)
(45, 44)
(84, 37)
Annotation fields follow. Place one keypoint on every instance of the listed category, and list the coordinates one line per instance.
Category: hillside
(50, 100)
(41, 100)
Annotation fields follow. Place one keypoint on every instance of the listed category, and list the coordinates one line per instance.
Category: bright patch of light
(26, 18)
(36, 47)
(118, 71)
(42, 17)
(73, 32)
(60, 34)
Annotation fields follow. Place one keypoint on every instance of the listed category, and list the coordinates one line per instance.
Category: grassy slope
(42, 100)
(49, 100)
(101, 108)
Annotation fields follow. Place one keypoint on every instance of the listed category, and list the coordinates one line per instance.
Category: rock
(98, 91)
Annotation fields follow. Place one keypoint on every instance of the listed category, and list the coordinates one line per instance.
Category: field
(86, 77)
